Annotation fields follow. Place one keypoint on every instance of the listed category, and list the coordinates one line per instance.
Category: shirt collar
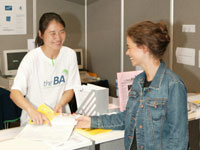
(156, 82)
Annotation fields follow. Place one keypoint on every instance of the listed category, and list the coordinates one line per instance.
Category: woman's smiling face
(54, 36)
(134, 52)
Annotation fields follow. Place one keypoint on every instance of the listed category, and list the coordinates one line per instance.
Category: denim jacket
(158, 113)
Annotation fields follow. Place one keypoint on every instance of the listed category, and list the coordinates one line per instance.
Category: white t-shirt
(43, 80)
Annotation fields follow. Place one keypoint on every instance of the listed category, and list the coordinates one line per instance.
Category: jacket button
(140, 126)
(130, 137)
(142, 147)
(134, 118)
(142, 106)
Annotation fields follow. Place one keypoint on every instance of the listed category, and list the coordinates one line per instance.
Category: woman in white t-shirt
(47, 74)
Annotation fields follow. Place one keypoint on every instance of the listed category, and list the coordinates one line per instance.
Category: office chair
(9, 111)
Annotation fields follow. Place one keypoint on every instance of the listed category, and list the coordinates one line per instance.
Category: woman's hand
(37, 117)
(58, 108)
(83, 122)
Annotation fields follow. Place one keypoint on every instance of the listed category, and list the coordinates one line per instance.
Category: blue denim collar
(157, 79)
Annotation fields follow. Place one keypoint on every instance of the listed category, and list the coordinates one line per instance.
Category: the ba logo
(58, 80)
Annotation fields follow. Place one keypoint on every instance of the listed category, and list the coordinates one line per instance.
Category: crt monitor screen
(14, 59)
(78, 54)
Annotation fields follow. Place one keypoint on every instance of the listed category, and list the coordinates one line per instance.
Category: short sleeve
(21, 79)
(74, 76)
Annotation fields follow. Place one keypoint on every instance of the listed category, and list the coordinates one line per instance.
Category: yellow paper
(47, 111)
(196, 102)
(89, 132)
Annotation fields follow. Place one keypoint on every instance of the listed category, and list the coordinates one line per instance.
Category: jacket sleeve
(177, 117)
(114, 121)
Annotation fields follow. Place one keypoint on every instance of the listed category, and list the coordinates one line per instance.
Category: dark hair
(153, 35)
(45, 19)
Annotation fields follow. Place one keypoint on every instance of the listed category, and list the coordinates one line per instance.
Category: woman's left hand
(58, 108)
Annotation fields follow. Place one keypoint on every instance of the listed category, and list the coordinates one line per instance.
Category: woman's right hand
(37, 117)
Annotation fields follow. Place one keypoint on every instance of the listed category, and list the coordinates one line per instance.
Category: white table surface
(9, 142)
(105, 137)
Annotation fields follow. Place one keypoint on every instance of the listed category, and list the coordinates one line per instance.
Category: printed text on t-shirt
(56, 81)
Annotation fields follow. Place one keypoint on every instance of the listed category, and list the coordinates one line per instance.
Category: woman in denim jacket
(156, 113)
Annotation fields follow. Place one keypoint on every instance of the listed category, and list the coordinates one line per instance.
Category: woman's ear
(40, 34)
(145, 48)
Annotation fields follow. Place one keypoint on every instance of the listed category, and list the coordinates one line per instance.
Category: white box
(92, 99)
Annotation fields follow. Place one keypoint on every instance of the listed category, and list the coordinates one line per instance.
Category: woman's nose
(58, 36)
(127, 52)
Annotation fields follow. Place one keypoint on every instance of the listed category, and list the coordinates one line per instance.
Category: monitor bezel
(4, 63)
(81, 66)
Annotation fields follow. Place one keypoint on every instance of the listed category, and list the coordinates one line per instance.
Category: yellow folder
(47, 111)
(91, 132)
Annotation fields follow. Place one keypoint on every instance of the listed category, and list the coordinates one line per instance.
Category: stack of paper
(194, 102)
(60, 130)
(89, 133)
(193, 106)
(76, 141)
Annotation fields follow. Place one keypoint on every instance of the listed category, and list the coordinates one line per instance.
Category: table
(113, 140)
(194, 128)
(8, 142)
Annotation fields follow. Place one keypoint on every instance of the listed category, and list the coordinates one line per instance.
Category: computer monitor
(10, 60)
(79, 55)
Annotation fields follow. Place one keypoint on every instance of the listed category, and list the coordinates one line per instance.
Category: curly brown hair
(153, 35)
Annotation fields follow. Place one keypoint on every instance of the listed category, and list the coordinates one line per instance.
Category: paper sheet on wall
(185, 56)
(30, 44)
(13, 17)
(125, 80)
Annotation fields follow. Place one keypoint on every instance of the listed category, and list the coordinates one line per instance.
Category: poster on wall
(13, 17)
(125, 81)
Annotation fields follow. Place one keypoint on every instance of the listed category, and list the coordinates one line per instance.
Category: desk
(194, 131)
(113, 140)
(194, 128)
(7, 134)
(194, 134)
(105, 141)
